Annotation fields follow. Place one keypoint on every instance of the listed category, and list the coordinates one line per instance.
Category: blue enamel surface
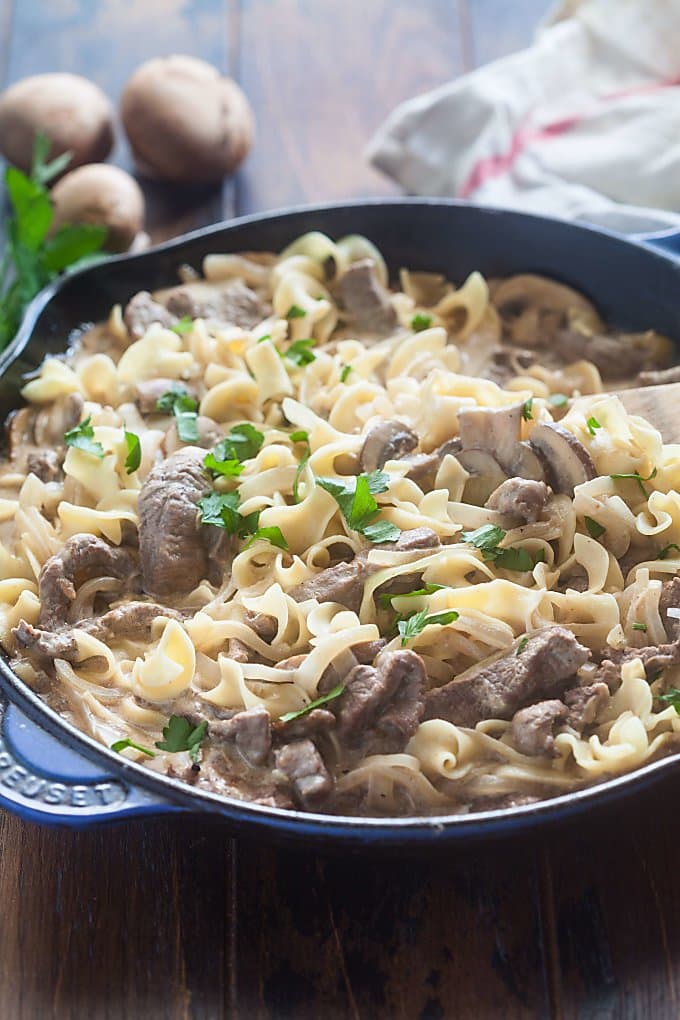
(91, 784)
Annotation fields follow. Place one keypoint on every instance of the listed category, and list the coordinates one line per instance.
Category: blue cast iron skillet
(49, 771)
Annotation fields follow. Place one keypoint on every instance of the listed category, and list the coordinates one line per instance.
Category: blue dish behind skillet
(49, 771)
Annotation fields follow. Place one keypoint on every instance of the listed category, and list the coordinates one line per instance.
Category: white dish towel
(584, 120)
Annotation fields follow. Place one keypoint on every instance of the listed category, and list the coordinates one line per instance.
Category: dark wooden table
(170, 919)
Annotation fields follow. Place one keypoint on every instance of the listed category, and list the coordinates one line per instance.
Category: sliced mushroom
(424, 466)
(485, 472)
(568, 462)
(533, 309)
(496, 430)
(388, 440)
(527, 463)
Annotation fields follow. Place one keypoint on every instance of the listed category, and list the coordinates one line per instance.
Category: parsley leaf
(594, 528)
(184, 408)
(323, 700)
(134, 452)
(346, 369)
(419, 322)
(414, 625)
(243, 443)
(593, 425)
(300, 437)
(671, 697)
(185, 325)
(120, 745)
(640, 626)
(637, 477)
(300, 352)
(663, 553)
(272, 534)
(527, 413)
(385, 600)
(261, 339)
(487, 539)
(359, 508)
(180, 735)
(82, 438)
(522, 645)
(295, 312)
(228, 467)
(221, 510)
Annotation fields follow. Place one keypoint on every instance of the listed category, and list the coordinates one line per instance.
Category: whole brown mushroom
(185, 122)
(71, 111)
(102, 194)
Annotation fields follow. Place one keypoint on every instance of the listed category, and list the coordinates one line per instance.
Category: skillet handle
(668, 241)
(43, 780)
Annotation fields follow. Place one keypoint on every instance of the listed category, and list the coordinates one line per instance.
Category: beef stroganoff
(301, 539)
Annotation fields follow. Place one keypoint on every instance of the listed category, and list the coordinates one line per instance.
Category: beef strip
(365, 300)
(82, 557)
(314, 724)
(585, 703)
(45, 464)
(344, 582)
(131, 620)
(670, 599)
(655, 658)
(264, 625)
(613, 357)
(540, 671)
(658, 378)
(231, 303)
(533, 728)
(301, 762)
(142, 311)
(519, 498)
(172, 545)
(249, 731)
(382, 705)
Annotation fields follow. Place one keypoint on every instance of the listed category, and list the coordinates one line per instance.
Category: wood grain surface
(175, 919)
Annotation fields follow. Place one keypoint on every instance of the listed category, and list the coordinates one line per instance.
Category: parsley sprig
(420, 321)
(32, 258)
(301, 436)
(300, 352)
(355, 497)
(221, 509)
(637, 477)
(487, 539)
(671, 697)
(385, 599)
(243, 443)
(593, 527)
(134, 452)
(181, 735)
(414, 625)
(81, 437)
(184, 408)
(322, 700)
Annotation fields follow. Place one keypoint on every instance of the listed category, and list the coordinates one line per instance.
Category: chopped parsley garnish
(428, 589)
(665, 552)
(178, 402)
(120, 745)
(487, 539)
(522, 645)
(637, 477)
(181, 735)
(300, 352)
(261, 339)
(419, 322)
(272, 534)
(134, 452)
(527, 412)
(184, 325)
(671, 697)
(558, 399)
(346, 369)
(221, 510)
(322, 700)
(242, 443)
(594, 528)
(359, 508)
(593, 425)
(82, 438)
(300, 437)
(32, 255)
(416, 624)
(295, 312)
(640, 626)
